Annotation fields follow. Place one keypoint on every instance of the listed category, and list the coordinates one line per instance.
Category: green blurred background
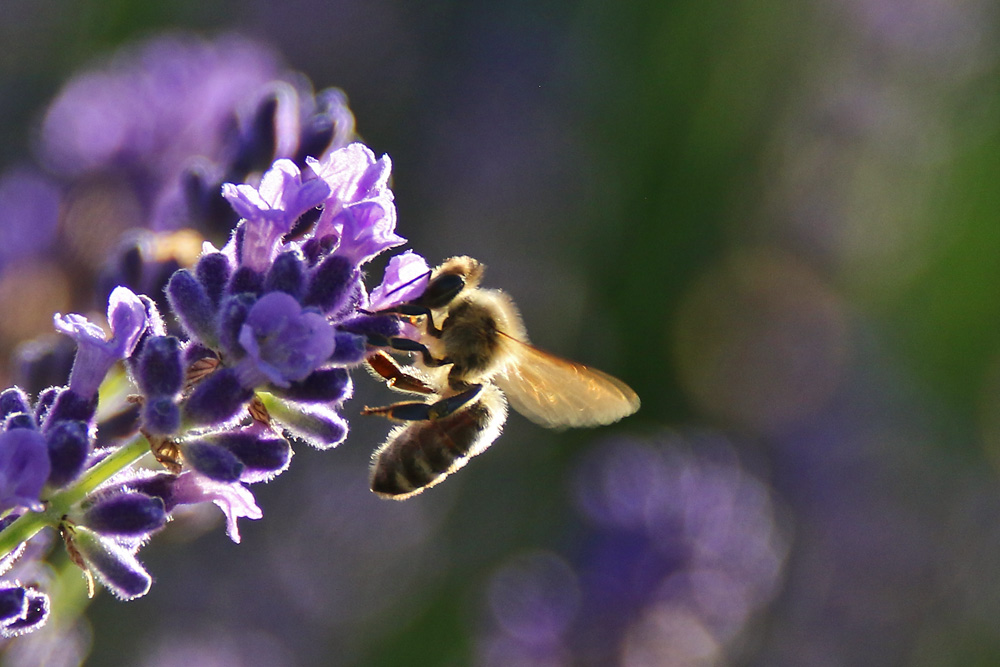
(778, 221)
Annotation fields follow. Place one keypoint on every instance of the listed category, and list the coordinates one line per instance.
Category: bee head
(453, 276)
(469, 269)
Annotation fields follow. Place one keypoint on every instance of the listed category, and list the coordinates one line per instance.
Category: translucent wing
(557, 393)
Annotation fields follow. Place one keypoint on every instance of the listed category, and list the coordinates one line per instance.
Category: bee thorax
(471, 339)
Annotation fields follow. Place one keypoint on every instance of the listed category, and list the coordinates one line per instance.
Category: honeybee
(468, 369)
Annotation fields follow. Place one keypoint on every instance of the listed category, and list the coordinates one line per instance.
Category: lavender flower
(95, 354)
(272, 209)
(256, 353)
(359, 212)
(284, 343)
(127, 514)
(267, 318)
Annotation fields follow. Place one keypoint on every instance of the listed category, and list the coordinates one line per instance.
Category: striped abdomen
(421, 454)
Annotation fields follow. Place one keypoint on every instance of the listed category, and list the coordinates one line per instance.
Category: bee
(468, 369)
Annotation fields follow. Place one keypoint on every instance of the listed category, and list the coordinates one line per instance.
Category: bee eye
(442, 290)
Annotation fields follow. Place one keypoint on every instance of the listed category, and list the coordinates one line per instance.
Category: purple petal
(284, 344)
(366, 229)
(405, 279)
(95, 355)
(78, 327)
(271, 209)
(235, 500)
(127, 316)
(360, 210)
(353, 174)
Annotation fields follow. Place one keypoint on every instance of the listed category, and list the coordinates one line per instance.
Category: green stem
(28, 524)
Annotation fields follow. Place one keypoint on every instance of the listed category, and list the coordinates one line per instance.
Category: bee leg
(387, 368)
(407, 345)
(414, 310)
(413, 411)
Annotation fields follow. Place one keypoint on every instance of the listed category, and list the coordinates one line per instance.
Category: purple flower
(405, 279)
(155, 105)
(29, 214)
(272, 209)
(234, 499)
(24, 468)
(359, 211)
(95, 355)
(683, 549)
(284, 343)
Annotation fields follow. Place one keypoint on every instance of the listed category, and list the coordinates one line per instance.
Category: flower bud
(287, 275)
(36, 612)
(213, 272)
(214, 462)
(263, 453)
(13, 603)
(126, 515)
(13, 400)
(157, 485)
(216, 399)
(159, 371)
(317, 424)
(161, 416)
(68, 443)
(246, 281)
(115, 567)
(70, 405)
(192, 306)
(326, 385)
(349, 349)
(19, 420)
(24, 468)
(331, 283)
(45, 400)
(373, 327)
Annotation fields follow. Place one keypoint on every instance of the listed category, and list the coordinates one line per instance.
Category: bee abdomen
(421, 454)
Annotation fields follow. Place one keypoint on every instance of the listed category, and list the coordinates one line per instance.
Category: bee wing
(557, 393)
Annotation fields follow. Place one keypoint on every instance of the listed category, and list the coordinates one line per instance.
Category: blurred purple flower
(683, 549)
(24, 468)
(95, 354)
(284, 342)
(154, 106)
(271, 210)
(29, 214)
